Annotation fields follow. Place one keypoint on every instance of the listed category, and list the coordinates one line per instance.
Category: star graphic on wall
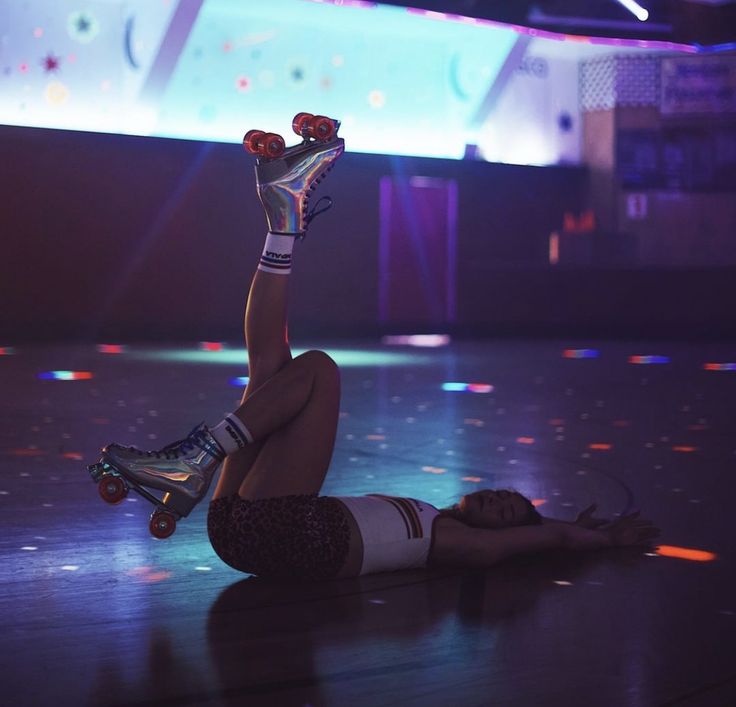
(297, 74)
(51, 63)
(83, 24)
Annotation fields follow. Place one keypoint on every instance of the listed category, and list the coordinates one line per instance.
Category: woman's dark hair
(532, 516)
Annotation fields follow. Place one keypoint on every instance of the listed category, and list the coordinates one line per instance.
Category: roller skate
(287, 176)
(182, 470)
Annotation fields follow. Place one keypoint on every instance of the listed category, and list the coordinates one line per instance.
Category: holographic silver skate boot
(182, 470)
(286, 177)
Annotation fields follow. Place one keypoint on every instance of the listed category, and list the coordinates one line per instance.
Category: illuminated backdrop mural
(403, 82)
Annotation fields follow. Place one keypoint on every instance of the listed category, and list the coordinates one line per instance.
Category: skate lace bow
(315, 211)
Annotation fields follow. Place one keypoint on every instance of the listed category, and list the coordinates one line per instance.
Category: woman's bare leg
(266, 338)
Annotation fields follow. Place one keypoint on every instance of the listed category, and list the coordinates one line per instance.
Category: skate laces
(175, 449)
(315, 211)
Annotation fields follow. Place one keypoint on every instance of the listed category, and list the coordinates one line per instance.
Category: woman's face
(494, 509)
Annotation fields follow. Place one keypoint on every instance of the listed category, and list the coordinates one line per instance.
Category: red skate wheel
(112, 489)
(301, 120)
(322, 128)
(162, 524)
(250, 141)
(271, 145)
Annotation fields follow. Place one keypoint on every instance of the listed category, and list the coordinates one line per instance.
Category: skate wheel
(300, 122)
(250, 141)
(112, 489)
(271, 145)
(322, 128)
(162, 524)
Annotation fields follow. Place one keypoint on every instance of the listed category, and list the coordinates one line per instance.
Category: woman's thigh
(295, 458)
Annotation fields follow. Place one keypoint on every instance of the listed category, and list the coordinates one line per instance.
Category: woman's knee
(321, 364)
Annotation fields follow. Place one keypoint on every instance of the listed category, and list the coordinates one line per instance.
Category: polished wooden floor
(97, 612)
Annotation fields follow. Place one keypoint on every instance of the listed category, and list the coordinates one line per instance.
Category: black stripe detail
(236, 429)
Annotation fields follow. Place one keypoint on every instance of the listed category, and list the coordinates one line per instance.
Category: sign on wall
(698, 85)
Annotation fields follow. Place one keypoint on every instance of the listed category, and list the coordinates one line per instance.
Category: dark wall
(112, 237)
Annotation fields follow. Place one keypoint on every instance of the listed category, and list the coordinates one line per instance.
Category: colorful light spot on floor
(719, 366)
(685, 553)
(600, 446)
(420, 340)
(29, 452)
(525, 440)
(203, 569)
(536, 502)
(474, 479)
(376, 438)
(70, 568)
(474, 422)
(29, 548)
(239, 381)
(66, 375)
(580, 353)
(697, 428)
(434, 469)
(563, 583)
(621, 423)
(75, 456)
(686, 450)
(646, 360)
(467, 387)
(210, 346)
(110, 348)
(6, 350)
(148, 574)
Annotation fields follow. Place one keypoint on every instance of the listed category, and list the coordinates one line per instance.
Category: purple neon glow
(532, 31)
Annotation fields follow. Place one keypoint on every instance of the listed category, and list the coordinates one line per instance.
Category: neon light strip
(543, 34)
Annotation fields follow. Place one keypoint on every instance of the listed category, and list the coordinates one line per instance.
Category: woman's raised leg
(266, 338)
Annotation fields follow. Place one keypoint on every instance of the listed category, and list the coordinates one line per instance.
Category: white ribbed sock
(276, 256)
(231, 434)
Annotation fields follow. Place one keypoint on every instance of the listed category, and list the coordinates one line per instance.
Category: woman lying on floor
(266, 516)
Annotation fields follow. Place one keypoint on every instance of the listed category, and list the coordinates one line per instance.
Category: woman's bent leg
(295, 456)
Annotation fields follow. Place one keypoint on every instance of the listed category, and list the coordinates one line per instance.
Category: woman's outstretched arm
(458, 544)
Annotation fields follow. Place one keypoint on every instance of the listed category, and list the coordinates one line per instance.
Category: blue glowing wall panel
(402, 83)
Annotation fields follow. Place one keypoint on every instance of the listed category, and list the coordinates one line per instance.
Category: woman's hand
(585, 518)
(626, 531)
(631, 530)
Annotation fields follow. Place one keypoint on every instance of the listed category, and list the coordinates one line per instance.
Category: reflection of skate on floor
(182, 470)
(286, 176)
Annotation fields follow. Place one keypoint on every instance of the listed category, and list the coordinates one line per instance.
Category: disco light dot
(580, 353)
(29, 548)
(110, 348)
(719, 366)
(239, 381)
(38, 32)
(70, 568)
(210, 346)
(685, 553)
(6, 350)
(242, 83)
(647, 360)
(66, 375)
(467, 387)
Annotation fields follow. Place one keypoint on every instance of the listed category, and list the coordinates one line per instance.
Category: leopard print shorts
(285, 537)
